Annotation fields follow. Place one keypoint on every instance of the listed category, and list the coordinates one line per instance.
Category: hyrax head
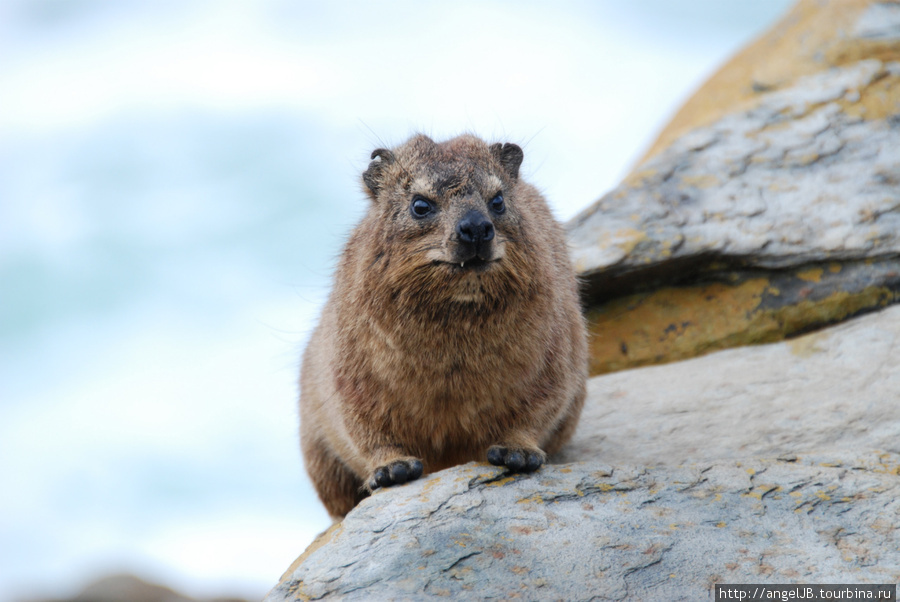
(450, 207)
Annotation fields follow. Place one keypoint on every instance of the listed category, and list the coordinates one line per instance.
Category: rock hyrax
(453, 332)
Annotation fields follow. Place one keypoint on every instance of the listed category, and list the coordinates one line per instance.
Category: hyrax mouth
(476, 264)
(472, 264)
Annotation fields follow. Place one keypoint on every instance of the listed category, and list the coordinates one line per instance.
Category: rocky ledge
(589, 531)
(763, 219)
(691, 474)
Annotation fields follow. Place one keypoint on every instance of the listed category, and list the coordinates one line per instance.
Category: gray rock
(590, 532)
(880, 21)
(834, 389)
(794, 180)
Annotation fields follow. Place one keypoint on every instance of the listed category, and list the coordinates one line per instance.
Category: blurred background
(176, 180)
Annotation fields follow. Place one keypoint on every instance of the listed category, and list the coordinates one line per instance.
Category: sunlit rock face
(585, 531)
(769, 207)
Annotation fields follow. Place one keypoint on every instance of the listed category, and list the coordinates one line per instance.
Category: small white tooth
(462, 264)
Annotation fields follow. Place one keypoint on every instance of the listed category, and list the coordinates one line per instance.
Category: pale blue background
(176, 179)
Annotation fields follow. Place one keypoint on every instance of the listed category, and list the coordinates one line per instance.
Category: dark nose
(475, 228)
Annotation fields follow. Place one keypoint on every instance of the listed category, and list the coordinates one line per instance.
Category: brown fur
(416, 357)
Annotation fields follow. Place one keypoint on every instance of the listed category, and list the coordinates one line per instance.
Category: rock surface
(738, 218)
(835, 389)
(736, 308)
(797, 179)
(590, 532)
(723, 469)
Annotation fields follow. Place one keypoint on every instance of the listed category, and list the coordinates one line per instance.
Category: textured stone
(733, 308)
(763, 183)
(835, 389)
(796, 180)
(813, 36)
(584, 531)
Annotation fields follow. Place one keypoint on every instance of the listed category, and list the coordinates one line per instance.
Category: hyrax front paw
(395, 473)
(516, 459)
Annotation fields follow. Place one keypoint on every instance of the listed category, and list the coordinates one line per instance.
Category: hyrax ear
(374, 174)
(510, 157)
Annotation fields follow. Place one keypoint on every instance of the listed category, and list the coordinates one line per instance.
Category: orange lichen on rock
(813, 36)
(680, 322)
(669, 324)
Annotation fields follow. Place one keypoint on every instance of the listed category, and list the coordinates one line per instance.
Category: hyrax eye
(497, 205)
(421, 207)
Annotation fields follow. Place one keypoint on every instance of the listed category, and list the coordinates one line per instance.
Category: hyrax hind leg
(338, 488)
(566, 427)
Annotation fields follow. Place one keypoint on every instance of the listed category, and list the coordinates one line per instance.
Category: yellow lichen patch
(720, 524)
(808, 345)
(464, 541)
(500, 482)
(878, 101)
(811, 275)
(638, 178)
(760, 491)
(628, 238)
(833, 308)
(812, 37)
(534, 499)
(701, 181)
(676, 323)
(670, 324)
(428, 486)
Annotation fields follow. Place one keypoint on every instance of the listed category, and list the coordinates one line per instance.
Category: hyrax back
(453, 332)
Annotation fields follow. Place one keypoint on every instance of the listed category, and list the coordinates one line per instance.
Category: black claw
(399, 473)
(497, 455)
(396, 473)
(534, 462)
(515, 460)
(382, 477)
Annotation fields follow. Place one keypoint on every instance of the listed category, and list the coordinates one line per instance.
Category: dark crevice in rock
(714, 302)
(611, 283)
(460, 560)
(601, 287)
